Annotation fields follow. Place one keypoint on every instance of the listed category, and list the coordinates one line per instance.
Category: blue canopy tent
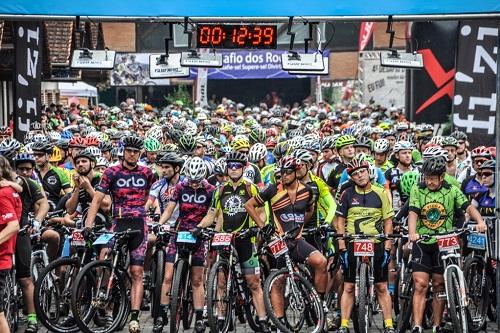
(245, 10)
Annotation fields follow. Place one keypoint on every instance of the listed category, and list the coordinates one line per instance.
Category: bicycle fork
(461, 282)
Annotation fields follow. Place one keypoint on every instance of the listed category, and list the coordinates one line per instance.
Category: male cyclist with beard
(345, 148)
(292, 205)
(366, 209)
(464, 159)
(86, 180)
(228, 202)
(451, 145)
(128, 184)
(193, 196)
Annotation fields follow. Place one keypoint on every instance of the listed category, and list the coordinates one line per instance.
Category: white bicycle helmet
(155, 132)
(94, 151)
(381, 146)
(434, 151)
(101, 161)
(195, 169)
(54, 136)
(257, 152)
(402, 145)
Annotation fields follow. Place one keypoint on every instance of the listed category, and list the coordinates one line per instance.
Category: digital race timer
(222, 36)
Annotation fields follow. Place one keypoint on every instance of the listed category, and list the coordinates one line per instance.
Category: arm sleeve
(415, 204)
(35, 191)
(155, 191)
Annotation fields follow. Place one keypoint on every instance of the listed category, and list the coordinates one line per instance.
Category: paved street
(147, 326)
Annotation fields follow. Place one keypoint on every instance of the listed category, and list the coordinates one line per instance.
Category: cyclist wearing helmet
(228, 203)
(33, 200)
(292, 206)
(464, 159)
(5, 133)
(485, 201)
(106, 147)
(451, 145)
(279, 151)
(76, 145)
(257, 155)
(432, 210)
(193, 195)
(251, 172)
(86, 180)
(403, 154)
(128, 184)
(366, 209)
(54, 181)
(329, 158)
(469, 179)
(363, 145)
(345, 148)
(220, 173)
(381, 153)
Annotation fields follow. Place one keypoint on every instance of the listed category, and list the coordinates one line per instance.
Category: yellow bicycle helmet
(240, 143)
(56, 155)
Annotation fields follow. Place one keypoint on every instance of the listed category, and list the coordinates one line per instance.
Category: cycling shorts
(380, 274)
(247, 255)
(198, 257)
(23, 256)
(426, 258)
(3, 289)
(299, 250)
(138, 243)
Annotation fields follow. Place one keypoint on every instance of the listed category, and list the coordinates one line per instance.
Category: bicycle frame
(450, 260)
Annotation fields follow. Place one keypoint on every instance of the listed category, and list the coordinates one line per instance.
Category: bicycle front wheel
(362, 312)
(178, 295)
(292, 296)
(99, 298)
(405, 292)
(157, 274)
(219, 297)
(52, 295)
(456, 311)
(477, 291)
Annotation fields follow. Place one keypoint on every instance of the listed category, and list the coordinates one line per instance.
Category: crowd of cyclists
(316, 177)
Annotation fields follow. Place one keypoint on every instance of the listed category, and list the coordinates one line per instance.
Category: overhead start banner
(474, 103)
(253, 65)
(27, 102)
(384, 86)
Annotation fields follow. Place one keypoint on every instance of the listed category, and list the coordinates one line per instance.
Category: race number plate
(278, 247)
(222, 239)
(476, 241)
(77, 238)
(185, 237)
(447, 243)
(103, 239)
(364, 248)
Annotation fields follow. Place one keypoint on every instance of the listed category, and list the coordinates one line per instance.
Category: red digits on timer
(257, 36)
(242, 36)
(204, 37)
(268, 36)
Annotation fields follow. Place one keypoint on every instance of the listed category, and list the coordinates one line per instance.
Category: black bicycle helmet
(105, 146)
(187, 144)
(459, 135)
(434, 166)
(132, 141)
(86, 153)
(236, 156)
(170, 157)
(42, 146)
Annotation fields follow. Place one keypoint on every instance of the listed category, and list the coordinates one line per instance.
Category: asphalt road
(147, 326)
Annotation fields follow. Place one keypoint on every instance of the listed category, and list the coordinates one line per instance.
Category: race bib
(448, 243)
(278, 247)
(476, 241)
(185, 237)
(222, 239)
(77, 238)
(364, 248)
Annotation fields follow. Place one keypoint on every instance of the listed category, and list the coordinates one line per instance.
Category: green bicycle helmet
(408, 180)
(152, 145)
(344, 140)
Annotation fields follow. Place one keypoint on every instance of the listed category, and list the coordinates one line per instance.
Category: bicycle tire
(157, 275)
(406, 306)
(87, 278)
(187, 304)
(177, 294)
(250, 312)
(41, 313)
(457, 315)
(220, 267)
(477, 292)
(361, 311)
(308, 295)
(37, 266)
(11, 310)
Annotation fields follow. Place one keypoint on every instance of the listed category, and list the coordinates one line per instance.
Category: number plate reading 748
(364, 248)
(448, 243)
(278, 247)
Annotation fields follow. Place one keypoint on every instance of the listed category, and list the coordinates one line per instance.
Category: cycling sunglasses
(485, 174)
(234, 165)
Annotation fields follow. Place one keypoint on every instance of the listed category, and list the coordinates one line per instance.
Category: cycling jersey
(267, 173)
(128, 189)
(325, 167)
(333, 179)
(365, 212)
(485, 203)
(162, 191)
(436, 209)
(325, 206)
(193, 203)
(54, 183)
(393, 177)
(231, 201)
(10, 211)
(285, 214)
(380, 177)
(252, 173)
(462, 165)
(471, 187)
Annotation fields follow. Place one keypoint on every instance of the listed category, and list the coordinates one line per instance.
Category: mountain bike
(100, 298)
(294, 295)
(227, 292)
(157, 267)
